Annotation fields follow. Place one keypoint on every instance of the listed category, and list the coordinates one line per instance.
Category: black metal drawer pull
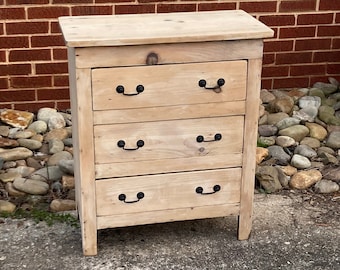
(216, 88)
(216, 188)
(122, 197)
(217, 137)
(121, 144)
(139, 89)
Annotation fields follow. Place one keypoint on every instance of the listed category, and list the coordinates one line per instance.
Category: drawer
(169, 145)
(167, 191)
(168, 85)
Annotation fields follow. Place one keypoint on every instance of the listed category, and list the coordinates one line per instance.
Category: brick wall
(33, 60)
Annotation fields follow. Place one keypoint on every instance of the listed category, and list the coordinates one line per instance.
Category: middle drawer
(168, 146)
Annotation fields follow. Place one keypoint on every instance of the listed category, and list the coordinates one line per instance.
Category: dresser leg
(244, 226)
(89, 239)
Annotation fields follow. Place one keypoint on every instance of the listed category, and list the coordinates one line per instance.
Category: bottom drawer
(167, 191)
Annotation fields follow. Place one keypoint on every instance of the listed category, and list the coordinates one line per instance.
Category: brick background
(33, 58)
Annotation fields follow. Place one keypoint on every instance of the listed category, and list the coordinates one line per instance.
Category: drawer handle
(216, 88)
(139, 89)
(216, 188)
(217, 137)
(122, 197)
(121, 144)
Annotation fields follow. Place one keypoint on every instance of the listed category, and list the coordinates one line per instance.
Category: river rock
(5, 142)
(34, 163)
(55, 146)
(298, 93)
(30, 144)
(44, 114)
(12, 191)
(23, 171)
(9, 176)
(15, 153)
(56, 121)
(317, 92)
(60, 133)
(67, 164)
(297, 132)
(266, 141)
(305, 150)
(328, 159)
(316, 131)
(14, 118)
(332, 173)
(326, 114)
(266, 96)
(283, 178)
(59, 205)
(333, 140)
(305, 179)
(267, 130)
(327, 88)
(268, 178)
(52, 173)
(285, 141)
(274, 118)
(7, 207)
(325, 149)
(31, 186)
(300, 162)
(287, 122)
(279, 154)
(57, 157)
(21, 134)
(38, 126)
(68, 182)
(288, 170)
(306, 114)
(283, 104)
(4, 130)
(310, 101)
(311, 142)
(326, 186)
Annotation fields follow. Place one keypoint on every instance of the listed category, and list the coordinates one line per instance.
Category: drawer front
(168, 85)
(167, 191)
(173, 143)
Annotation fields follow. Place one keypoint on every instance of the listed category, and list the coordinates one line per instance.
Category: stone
(309, 101)
(326, 114)
(300, 162)
(333, 140)
(59, 205)
(305, 179)
(316, 131)
(57, 157)
(279, 154)
(56, 121)
(266, 141)
(30, 144)
(4, 131)
(44, 114)
(262, 110)
(331, 173)
(55, 146)
(14, 118)
(327, 88)
(326, 186)
(285, 141)
(31, 186)
(7, 207)
(38, 137)
(12, 191)
(266, 96)
(23, 171)
(9, 164)
(334, 81)
(34, 163)
(306, 151)
(9, 176)
(5, 142)
(311, 142)
(268, 178)
(306, 114)
(68, 182)
(283, 104)
(261, 154)
(298, 93)
(22, 134)
(283, 178)
(263, 120)
(15, 153)
(67, 165)
(60, 133)
(52, 173)
(287, 122)
(68, 142)
(267, 130)
(38, 127)
(274, 118)
(297, 132)
(325, 149)
(329, 159)
(288, 170)
(317, 92)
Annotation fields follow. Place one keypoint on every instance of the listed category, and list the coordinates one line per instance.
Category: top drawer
(166, 85)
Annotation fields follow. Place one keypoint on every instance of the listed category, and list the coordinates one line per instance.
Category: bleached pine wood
(90, 31)
(168, 85)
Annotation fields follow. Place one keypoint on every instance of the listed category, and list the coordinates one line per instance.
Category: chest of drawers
(165, 110)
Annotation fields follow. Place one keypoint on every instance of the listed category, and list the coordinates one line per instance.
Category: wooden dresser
(165, 110)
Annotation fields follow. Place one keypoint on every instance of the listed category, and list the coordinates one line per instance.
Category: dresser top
(137, 29)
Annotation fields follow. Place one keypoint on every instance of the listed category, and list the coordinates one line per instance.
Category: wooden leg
(89, 238)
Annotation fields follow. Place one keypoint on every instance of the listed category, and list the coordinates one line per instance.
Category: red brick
(1, 28)
(59, 54)
(55, 28)
(52, 68)
(278, 46)
(47, 12)
(266, 84)
(305, 70)
(300, 5)
(331, 31)
(27, 28)
(72, 1)
(61, 80)
(33, 106)
(333, 68)
(12, 96)
(262, 6)
(29, 55)
(12, 13)
(163, 8)
(329, 5)
(312, 44)
(278, 20)
(31, 82)
(3, 84)
(268, 58)
(336, 43)
(121, 1)
(15, 69)
(337, 18)
(276, 71)
(13, 42)
(91, 10)
(297, 32)
(308, 19)
(134, 9)
(2, 56)
(216, 6)
(63, 105)
(26, 2)
(53, 94)
(293, 58)
(47, 41)
(290, 82)
(330, 56)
